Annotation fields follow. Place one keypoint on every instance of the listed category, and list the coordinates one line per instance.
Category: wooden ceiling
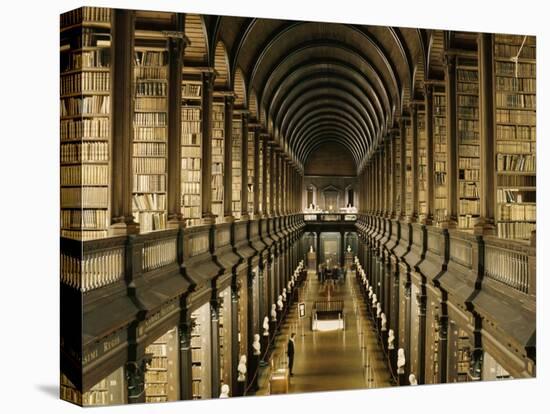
(309, 83)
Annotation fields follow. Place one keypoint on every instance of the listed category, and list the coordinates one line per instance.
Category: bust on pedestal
(225, 391)
(241, 378)
(401, 361)
(412, 380)
(265, 340)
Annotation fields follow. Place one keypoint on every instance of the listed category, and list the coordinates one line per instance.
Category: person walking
(290, 353)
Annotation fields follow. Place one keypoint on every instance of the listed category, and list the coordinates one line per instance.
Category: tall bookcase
(200, 352)
(397, 172)
(267, 172)
(191, 150)
(236, 163)
(85, 108)
(261, 172)
(440, 153)
(68, 391)
(149, 161)
(161, 375)
(110, 390)
(225, 335)
(218, 134)
(422, 164)
(250, 172)
(408, 169)
(468, 141)
(515, 100)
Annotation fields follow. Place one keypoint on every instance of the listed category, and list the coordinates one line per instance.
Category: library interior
(227, 182)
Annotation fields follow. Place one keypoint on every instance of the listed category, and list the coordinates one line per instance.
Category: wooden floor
(334, 360)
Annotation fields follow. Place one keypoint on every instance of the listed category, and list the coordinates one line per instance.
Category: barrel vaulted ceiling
(309, 83)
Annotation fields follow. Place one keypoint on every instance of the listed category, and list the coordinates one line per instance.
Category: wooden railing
(509, 263)
(158, 253)
(101, 263)
(330, 217)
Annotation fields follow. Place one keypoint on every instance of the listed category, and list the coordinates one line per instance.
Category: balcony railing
(330, 217)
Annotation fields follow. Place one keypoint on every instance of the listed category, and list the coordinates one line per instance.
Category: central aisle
(335, 360)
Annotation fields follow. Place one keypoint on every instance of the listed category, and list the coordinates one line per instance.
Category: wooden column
(486, 222)
(206, 178)
(176, 50)
(244, 167)
(430, 192)
(271, 211)
(229, 101)
(122, 127)
(276, 187)
(403, 167)
(256, 173)
(388, 173)
(265, 190)
(414, 164)
(452, 144)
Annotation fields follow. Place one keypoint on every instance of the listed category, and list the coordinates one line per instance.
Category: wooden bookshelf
(468, 141)
(261, 172)
(408, 169)
(236, 164)
(267, 171)
(250, 173)
(218, 134)
(200, 352)
(85, 109)
(110, 390)
(397, 172)
(191, 151)
(225, 335)
(68, 391)
(149, 161)
(422, 165)
(515, 100)
(440, 153)
(161, 375)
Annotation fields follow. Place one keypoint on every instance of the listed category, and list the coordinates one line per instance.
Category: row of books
(150, 119)
(514, 180)
(85, 14)
(468, 150)
(468, 112)
(217, 132)
(150, 104)
(469, 163)
(467, 75)
(191, 89)
(515, 100)
(158, 349)
(468, 207)
(86, 59)
(528, 70)
(516, 132)
(217, 168)
(468, 175)
(149, 165)
(150, 72)
(191, 211)
(84, 234)
(525, 147)
(85, 82)
(465, 87)
(191, 187)
(85, 128)
(191, 200)
(516, 162)
(190, 177)
(189, 113)
(518, 230)
(467, 221)
(507, 50)
(96, 397)
(441, 203)
(88, 174)
(470, 190)
(149, 183)
(151, 88)
(516, 116)
(86, 219)
(468, 100)
(517, 212)
(84, 151)
(150, 58)
(149, 149)
(84, 197)
(516, 84)
(191, 161)
(151, 201)
(191, 139)
(88, 37)
(97, 104)
(149, 221)
(151, 133)
(156, 376)
(513, 195)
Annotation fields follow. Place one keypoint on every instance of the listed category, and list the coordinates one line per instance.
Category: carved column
(244, 167)
(387, 176)
(486, 222)
(122, 129)
(256, 173)
(228, 160)
(176, 51)
(430, 193)
(206, 179)
(265, 210)
(452, 144)
(272, 204)
(393, 201)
